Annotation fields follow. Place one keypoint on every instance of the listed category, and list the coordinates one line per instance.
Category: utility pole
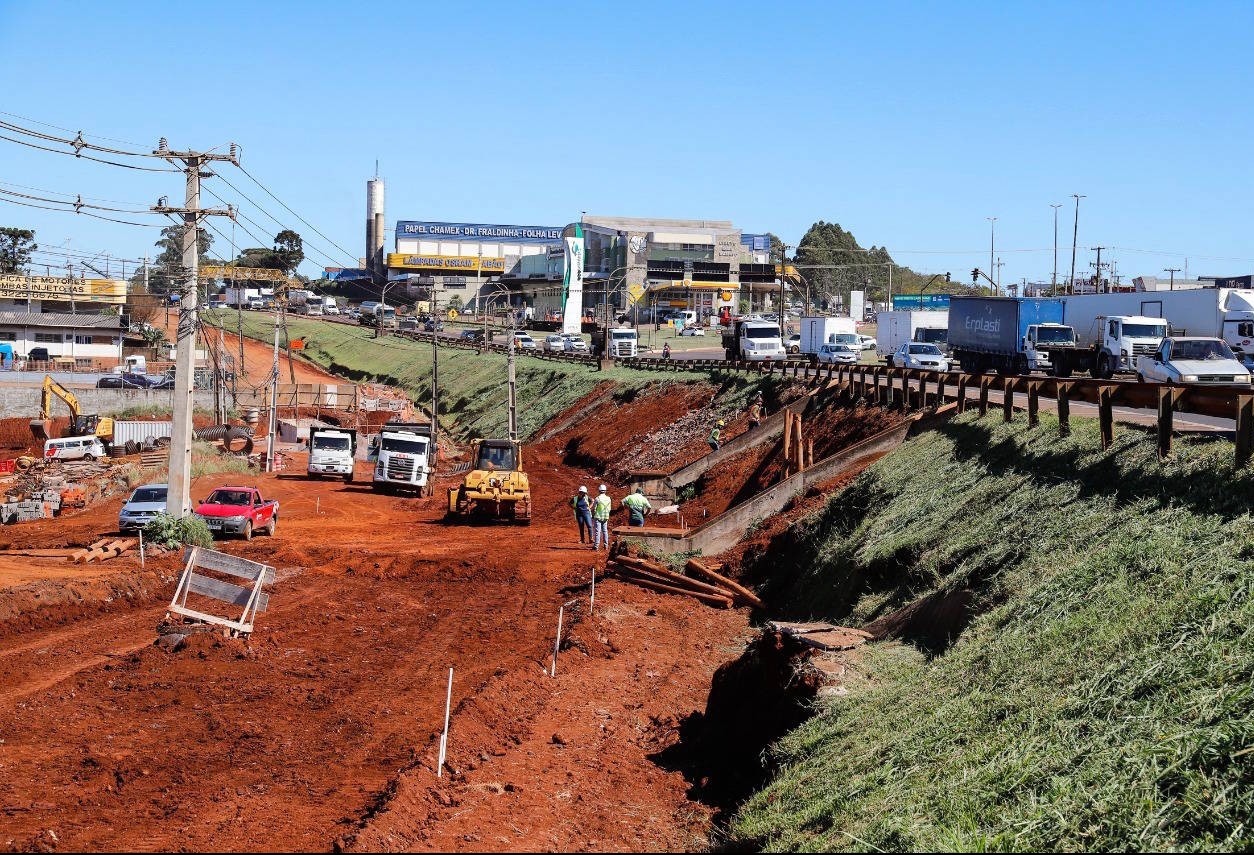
(1173, 271)
(435, 375)
(1000, 263)
(178, 500)
(992, 239)
(1097, 283)
(1074, 235)
(513, 386)
(272, 418)
(1053, 282)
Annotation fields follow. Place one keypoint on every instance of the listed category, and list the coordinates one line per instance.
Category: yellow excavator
(496, 483)
(80, 424)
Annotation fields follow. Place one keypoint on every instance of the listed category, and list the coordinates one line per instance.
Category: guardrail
(496, 347)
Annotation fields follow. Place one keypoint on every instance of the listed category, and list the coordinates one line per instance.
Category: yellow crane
(80, 424)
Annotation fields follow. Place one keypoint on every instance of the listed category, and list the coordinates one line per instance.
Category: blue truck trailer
(1010, 335)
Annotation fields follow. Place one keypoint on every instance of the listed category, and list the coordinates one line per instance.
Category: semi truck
(1226, 313)
(239, 298)
(754, 341)
(818, 331)
(1010, 335)
(895, 328)
(402, 456)
(332, 451)
(1107, 344)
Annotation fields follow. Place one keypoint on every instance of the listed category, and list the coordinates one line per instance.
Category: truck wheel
(248, 530)
(1019, 367)
(348, 479)
(1104, 369)
(272, 525)
(1140, 378)
(888, 360)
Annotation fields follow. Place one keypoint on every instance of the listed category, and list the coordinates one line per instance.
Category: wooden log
(738, 589)
(720, 601)
(670, 578)
(643, 563)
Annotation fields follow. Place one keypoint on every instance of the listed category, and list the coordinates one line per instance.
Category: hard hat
(721, 423)
(583, 489)
(602, 488)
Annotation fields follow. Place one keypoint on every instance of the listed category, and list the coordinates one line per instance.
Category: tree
(168, 274)
(290, 249)
(16, 245)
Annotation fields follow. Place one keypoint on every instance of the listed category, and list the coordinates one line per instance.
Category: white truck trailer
(929, 326)
(1226, 313)
(818, 331)
(238, 298)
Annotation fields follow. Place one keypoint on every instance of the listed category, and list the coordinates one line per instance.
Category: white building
(84, 338)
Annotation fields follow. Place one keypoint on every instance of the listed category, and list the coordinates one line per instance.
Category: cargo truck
(332, 451)
(1009, 335)
(1226, 313)
(402, 456)
(817, 331)
(755, 341)
(240, 298)
(895, 328)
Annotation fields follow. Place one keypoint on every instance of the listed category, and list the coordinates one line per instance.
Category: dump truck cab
(496, 483)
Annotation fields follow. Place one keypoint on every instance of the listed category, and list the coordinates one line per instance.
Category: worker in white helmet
(582, 507)
(602, 506)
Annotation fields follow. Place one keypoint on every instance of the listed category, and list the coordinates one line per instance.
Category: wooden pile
(104, 549)
(798, 451)
(716, 590)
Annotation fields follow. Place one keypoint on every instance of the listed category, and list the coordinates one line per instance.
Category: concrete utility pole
(1074, 235)
(1171, 286)
(1053, 282)
(513, 385)
(272, 417)
(1097, 283)
(178, 501)
(435, 376)
(992, 240)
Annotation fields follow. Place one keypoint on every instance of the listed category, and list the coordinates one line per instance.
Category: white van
(74, 448)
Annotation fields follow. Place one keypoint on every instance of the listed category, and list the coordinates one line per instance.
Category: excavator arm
(80, 425)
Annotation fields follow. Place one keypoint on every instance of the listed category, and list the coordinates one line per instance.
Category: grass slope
(474, 387)
(1101, 699)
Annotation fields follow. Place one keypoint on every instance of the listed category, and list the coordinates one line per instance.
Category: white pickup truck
(1191, 360)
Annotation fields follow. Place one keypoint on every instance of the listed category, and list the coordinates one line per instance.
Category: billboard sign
(1235, 282)
(920, 301)
(16, 286)
(572, 284)
(469, 263)
(425, 230)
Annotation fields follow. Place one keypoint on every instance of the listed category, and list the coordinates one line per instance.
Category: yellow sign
(452, 314)
(725, 296)
(18, 287)
(464, 263)
(250, 274)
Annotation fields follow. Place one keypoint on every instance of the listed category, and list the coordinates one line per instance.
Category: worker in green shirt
(637, 505)
(716, 434)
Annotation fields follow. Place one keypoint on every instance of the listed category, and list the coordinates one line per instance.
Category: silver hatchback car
(144, 504)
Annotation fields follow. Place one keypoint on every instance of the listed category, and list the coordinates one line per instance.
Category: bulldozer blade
(41, 428)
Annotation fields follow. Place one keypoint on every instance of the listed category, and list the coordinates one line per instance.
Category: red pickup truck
(239, 510)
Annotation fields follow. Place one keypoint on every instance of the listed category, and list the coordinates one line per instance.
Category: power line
(78, 143)
(67, 130)
(347, 254)
(82, 213)
(76, 204)
(87, 156)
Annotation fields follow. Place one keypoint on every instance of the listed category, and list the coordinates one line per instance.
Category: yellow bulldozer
(496, 484)
(80, 424)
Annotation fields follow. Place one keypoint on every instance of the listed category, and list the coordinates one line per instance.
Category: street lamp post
(1074, 234)
(605, 346)
(1053, 283)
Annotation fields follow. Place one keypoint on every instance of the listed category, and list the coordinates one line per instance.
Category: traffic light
(947, 276)
(975, 275)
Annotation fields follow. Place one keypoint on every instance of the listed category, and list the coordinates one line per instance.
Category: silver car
(837, 354)
(919, 355)
(144, 504)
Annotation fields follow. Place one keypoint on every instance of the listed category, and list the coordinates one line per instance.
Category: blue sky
(907, 123)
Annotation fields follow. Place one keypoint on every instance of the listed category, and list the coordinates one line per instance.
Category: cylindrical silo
(374, 223)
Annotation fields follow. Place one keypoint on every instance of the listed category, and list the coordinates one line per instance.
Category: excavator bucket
(41, 428)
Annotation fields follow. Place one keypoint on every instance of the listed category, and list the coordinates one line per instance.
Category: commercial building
(85, 338)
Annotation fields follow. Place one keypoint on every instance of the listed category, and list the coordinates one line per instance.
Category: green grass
(1101, 699)
(474, 389)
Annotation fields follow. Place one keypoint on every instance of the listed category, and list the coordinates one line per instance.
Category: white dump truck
(402, 455)
(332, 451)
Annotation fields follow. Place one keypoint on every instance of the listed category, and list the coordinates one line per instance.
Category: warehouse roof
(60, 319)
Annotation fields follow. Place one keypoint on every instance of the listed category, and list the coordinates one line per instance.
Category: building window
(82, 339)
(103, 339)
(48, 338)
(8, 336)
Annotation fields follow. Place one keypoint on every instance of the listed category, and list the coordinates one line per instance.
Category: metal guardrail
(496, 347)
(907, 388)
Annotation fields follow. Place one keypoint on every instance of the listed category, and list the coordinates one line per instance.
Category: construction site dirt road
(321, 730)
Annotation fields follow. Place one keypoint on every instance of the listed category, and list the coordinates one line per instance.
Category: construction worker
(755, 412)
(582, 506)
(716, 434)
(637, 505)
(601, 509)
(666, 350)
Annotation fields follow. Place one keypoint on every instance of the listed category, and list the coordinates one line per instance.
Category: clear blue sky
(908, 124)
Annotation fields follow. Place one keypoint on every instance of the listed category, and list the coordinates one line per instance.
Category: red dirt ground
(258, 357)
(292, 740)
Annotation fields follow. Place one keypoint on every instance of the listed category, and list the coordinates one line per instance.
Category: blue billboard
(920, 301)
(425, 230)
(755, 243)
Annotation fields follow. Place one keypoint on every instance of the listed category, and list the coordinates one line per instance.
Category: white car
(574, 344)
(839, 354)
(867, 342)
(919, 355)
(554, 343)
(1191, 360)
(524, 341)
(330, 310)
(793, 345)
(692, 331)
